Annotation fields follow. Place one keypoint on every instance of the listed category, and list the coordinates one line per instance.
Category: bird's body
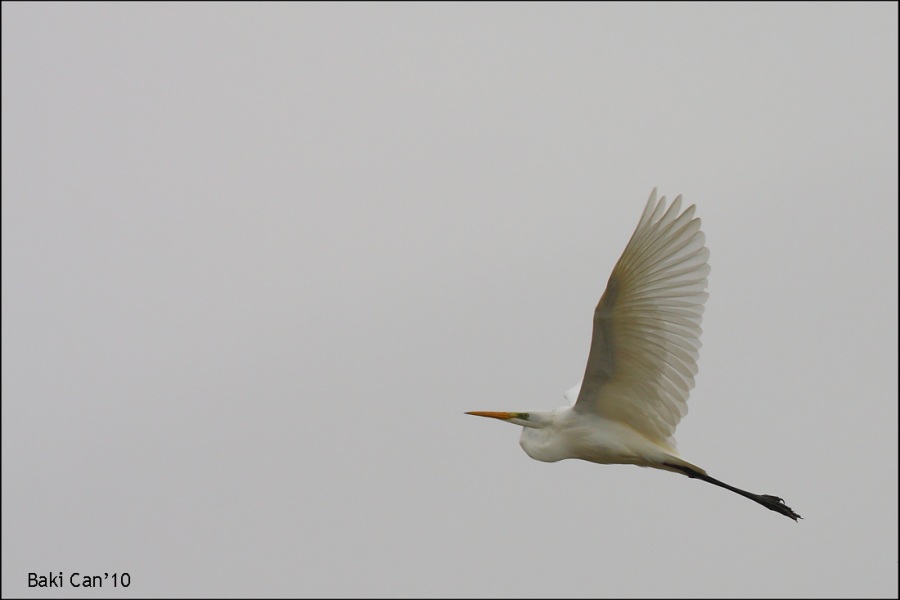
(643, 358)
(569, 434)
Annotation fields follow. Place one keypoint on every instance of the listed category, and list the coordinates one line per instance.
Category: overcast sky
(258, 260)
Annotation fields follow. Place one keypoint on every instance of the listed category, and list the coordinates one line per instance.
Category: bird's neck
(543, 442)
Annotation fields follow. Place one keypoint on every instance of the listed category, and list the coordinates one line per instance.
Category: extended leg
(771, 502)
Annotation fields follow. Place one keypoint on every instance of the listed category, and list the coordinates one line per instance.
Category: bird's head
(525, 419)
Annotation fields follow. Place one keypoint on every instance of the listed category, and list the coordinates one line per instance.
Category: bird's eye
(523, 416)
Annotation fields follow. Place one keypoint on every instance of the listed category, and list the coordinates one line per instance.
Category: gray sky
(258, 261)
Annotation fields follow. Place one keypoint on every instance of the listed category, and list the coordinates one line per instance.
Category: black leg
(771, 502)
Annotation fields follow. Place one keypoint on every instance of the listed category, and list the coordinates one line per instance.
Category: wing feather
(646, 337)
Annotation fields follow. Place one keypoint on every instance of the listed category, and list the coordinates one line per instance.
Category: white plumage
(642, 360)
(646, 339)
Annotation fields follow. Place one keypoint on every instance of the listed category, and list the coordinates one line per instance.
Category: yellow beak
(505, 416)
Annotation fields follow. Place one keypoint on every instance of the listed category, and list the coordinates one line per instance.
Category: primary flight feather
(643, 358)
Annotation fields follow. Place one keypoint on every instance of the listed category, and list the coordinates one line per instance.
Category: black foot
(777, 504)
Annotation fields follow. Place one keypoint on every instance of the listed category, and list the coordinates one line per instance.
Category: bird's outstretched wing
(646, 336)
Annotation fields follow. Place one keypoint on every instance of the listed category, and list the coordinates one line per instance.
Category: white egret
(642, 360)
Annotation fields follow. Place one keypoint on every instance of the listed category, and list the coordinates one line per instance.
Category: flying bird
(642, 360)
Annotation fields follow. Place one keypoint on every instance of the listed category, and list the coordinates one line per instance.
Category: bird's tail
(677, 464)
